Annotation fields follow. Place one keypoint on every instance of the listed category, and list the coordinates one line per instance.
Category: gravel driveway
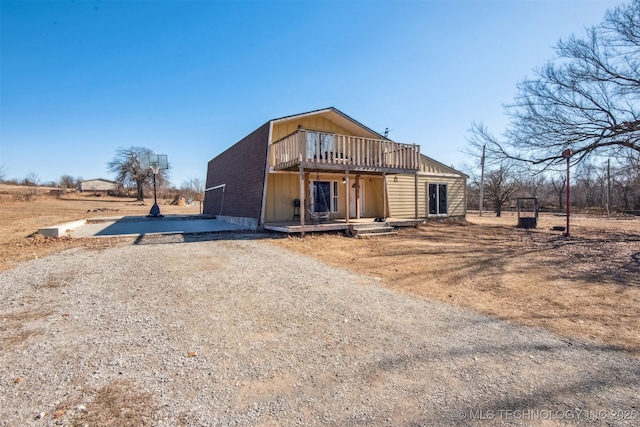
(240, 332)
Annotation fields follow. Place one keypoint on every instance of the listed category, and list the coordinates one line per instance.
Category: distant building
(97, 185)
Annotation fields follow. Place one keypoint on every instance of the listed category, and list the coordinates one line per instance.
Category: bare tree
(585, 99)
(3, 172)
(126, 165)
(586, 185)
(32, 179)
(500, 185)
(626, 183)
(67, 181)
(558, 186)
(193, 188)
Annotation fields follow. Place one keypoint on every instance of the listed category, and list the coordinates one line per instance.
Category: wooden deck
(327, 151)
(336, 225)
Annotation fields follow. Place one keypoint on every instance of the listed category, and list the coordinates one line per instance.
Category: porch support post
(347, 190)
(357, 201)
(303, 201)
(415, 194)
(384, 195)
(307, 196)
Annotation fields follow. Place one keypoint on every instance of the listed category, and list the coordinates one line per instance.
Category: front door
(352, 198)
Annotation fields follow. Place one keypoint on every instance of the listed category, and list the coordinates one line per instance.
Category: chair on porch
(319, 213)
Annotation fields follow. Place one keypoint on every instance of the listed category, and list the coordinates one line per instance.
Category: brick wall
(242, 168)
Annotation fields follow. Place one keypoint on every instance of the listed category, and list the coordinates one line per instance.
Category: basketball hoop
(155, 162)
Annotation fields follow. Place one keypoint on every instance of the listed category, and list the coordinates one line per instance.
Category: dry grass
(14, 327)
(22, 214)
(119, 404)
(586, 286)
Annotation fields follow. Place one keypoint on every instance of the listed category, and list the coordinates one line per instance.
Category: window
(324, 196)
(437, 199)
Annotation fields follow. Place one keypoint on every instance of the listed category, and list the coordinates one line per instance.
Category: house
(98, 185)
(336, 170)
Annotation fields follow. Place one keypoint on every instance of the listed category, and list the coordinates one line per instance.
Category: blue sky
(79, 79)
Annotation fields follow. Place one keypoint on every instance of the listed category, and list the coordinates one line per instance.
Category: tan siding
(456, 194)
(430, 166)
(457, 198)
(402, 199)
(402, 196)
(282, 189)
(280, 130)
(373, 196)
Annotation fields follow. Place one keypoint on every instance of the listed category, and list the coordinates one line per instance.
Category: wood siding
(373, 199)
(402, 193)
(283, 188)
(319, 123)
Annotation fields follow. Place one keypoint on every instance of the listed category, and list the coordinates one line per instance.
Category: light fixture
(344, 180)
(395, 179)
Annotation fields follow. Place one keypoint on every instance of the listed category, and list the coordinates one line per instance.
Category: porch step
(369, 230)
(369, 234)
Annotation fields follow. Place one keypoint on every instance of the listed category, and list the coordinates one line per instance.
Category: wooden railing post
(317, 147)
(303, 200)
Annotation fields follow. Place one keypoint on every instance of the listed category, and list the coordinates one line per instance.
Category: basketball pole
(155, 162)
(155, 209)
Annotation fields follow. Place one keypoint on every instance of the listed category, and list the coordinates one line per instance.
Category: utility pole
(482, 180)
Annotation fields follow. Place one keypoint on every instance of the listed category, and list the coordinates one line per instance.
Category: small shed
(98, 185)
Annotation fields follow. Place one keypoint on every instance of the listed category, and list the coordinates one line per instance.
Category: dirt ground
(583, 287)
(22, 213)
(586, 286)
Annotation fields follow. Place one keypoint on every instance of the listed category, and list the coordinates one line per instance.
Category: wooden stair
(371, 230)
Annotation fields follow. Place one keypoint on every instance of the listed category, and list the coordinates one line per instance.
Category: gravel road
(214, 331)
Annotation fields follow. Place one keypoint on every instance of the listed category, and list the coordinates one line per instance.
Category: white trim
(298, 116)
(428, 200)
(331, 195)
(440, 175)
(216, 187)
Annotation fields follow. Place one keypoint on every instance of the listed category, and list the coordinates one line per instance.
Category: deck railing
(321, 148)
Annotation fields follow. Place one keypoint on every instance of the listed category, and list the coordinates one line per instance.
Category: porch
(323, 160)
(292, 227)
